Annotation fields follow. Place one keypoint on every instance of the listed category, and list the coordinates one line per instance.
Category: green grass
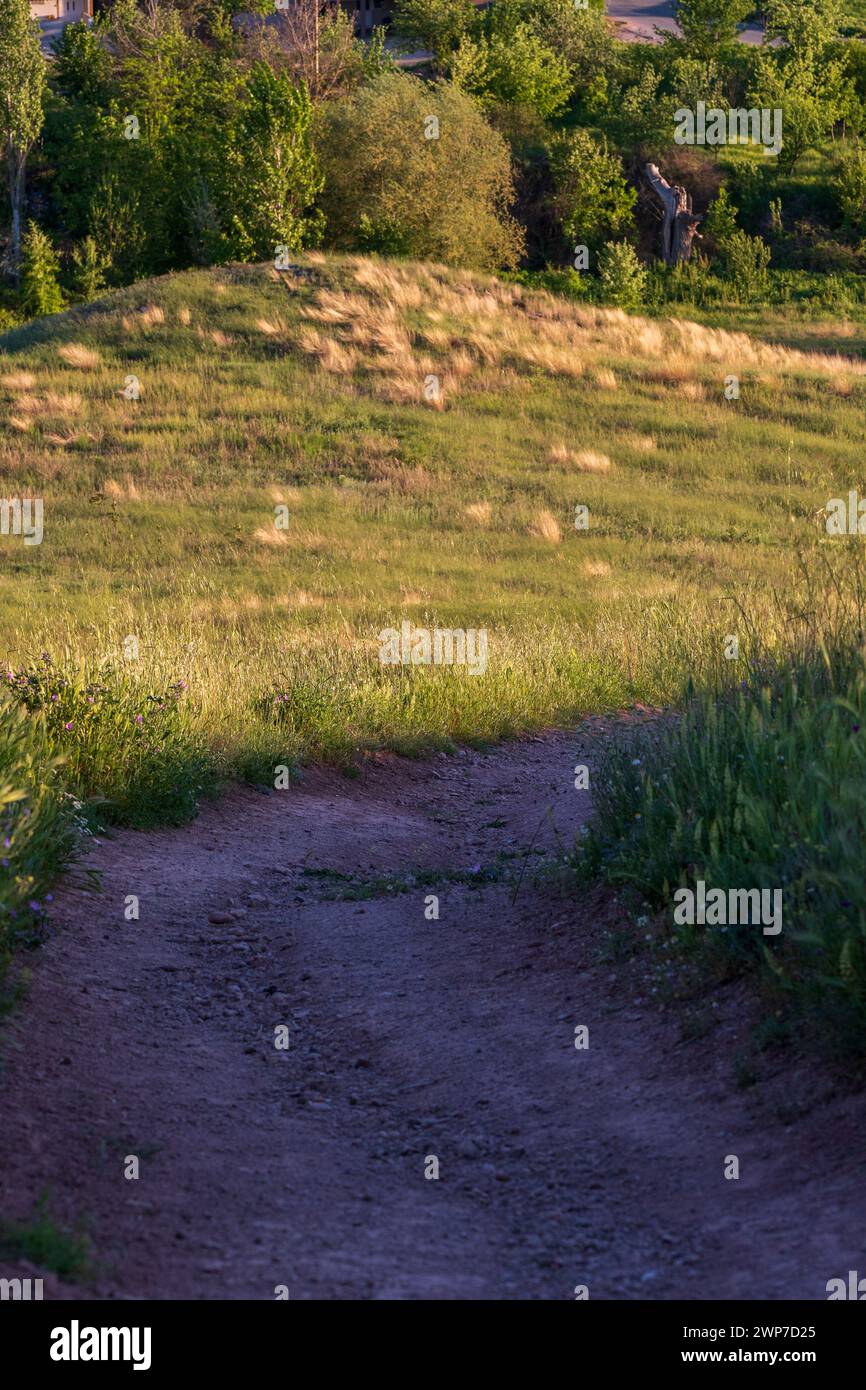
(155, 511)
(45, 1244)
(759, 784)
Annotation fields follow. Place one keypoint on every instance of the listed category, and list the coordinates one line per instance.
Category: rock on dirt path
(409, 1039)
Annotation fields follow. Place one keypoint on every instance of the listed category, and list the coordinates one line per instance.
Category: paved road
(637, 20)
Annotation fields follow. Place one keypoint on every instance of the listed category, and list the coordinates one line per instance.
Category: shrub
(444, 198)
(592, 197)
(128, 751)
(747, 259)
(622, 276)
(40, 290)
(90, 266)
(38, 826)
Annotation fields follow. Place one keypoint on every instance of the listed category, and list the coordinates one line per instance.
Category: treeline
(168, 137)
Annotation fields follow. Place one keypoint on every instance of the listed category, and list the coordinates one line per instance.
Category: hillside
(306, 390)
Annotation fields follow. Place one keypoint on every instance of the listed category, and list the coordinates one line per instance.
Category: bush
(622, 276)
(592, 197)
(40, 290)
(746, 259)
(128, 751)
(38, 827)
(444, 198)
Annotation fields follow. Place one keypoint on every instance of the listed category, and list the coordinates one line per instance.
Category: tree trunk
(680, 225)
(15, 166)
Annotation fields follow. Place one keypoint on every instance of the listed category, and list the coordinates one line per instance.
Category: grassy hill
(451, 502)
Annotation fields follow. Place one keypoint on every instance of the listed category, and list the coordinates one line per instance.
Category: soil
(410, 1039)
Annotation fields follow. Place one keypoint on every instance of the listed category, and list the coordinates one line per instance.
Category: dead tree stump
(680, 225)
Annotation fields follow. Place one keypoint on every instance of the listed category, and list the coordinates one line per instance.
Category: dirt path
(409, 1038)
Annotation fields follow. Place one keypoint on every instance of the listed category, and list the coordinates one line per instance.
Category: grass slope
(311, 389)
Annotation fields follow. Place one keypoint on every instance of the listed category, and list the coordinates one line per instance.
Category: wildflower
(34, 905)
(70, 725)
(139, 719)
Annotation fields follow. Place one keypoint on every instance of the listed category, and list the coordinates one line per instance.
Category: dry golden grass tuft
(583, 460)
(51, 404)
(332, 356)
(61, 404)
(126, 490)
(606, 379)
(399, 477)
(596, 569)
(18, 381)
(336, 358)
(79, 355)
(17, 422)
(150, 316)
(645, 443)
(284, 496)
(216, 336)
(271, 327)
(840, 386)
(545, 527)
(184, 316)
(269, 535)
(693, 390)
(479, 512)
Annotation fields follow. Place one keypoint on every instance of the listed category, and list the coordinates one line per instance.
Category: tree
(90, 265)
(710, 26)
(806, 27)
(516, 69)
(592, 197)
(273, 171)
(811, 95)
(419, 166)
(849, 186)
(721, 219)
(802, 78)
(40, 292)
(438, 26)
(313, 41)
(22, 87)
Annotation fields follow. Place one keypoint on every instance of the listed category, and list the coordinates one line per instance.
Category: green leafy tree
(40, 264)
(592, 198)
(623, 278)
(274, 175)
(89, 267)
(22, 88)
(437, 26)
(806, 27)
(445, 198)
(802, 77)
(811, 98)
(515, 69)
(708, 27)
(849, 186)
